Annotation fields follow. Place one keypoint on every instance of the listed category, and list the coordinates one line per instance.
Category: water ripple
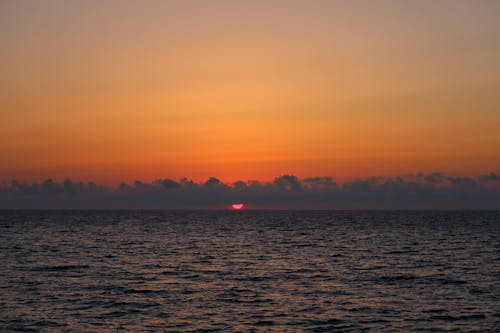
(194, 271)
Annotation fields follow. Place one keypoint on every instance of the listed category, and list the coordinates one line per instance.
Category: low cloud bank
(411, 191)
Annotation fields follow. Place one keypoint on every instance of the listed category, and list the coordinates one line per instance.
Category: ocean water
(249, 271)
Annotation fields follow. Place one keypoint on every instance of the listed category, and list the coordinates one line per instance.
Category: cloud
(317, 183)
(288, 183)
(168, 183)
(492, 177)
(410, 191)
(435, 177)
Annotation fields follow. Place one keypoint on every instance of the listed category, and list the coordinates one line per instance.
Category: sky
(112, 91)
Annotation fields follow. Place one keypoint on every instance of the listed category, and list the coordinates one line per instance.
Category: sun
(237, 206)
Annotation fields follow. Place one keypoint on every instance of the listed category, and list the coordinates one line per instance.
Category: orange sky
(124, 90)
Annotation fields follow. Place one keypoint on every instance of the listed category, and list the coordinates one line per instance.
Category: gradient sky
(124, 90)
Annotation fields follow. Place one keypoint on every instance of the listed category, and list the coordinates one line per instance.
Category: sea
(249, 271)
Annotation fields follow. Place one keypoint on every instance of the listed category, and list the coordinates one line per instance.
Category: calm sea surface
(192, 271)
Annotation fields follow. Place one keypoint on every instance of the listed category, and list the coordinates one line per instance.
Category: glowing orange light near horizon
(237, 206)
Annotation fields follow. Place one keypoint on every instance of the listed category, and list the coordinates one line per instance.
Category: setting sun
(237, 206)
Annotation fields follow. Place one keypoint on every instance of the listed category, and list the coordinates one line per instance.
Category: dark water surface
(246, 271)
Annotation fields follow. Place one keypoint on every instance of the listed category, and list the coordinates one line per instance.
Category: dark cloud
(410, 191)
(288, 183)
(168, 183)
(492, 177)
(317, 183)
(435, 177)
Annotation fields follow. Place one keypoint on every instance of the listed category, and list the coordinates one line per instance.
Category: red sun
(237, 206)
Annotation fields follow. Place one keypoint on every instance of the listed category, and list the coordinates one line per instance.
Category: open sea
(249, 271)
